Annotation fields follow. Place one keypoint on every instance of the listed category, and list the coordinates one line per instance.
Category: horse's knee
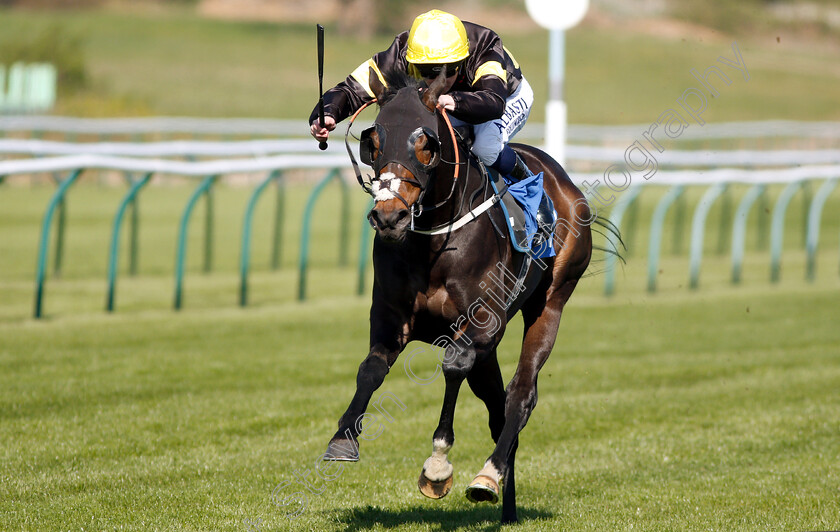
(372, 370)
(457, 363)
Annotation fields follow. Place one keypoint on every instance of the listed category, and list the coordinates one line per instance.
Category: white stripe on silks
(385, 187)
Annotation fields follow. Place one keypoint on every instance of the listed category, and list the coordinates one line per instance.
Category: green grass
(707, 410)
(172, 63)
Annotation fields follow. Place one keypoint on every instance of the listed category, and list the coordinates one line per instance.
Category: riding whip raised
(323, 144)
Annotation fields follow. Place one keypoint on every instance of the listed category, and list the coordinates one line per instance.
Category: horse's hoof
(434, 489)
(342, 450)
(483, 489)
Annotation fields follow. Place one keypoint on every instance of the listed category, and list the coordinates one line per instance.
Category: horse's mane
(396, 81)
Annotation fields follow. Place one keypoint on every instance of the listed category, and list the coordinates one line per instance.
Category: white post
(556, 16)
(555, 110)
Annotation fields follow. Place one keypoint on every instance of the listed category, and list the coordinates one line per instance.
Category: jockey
(485, 86)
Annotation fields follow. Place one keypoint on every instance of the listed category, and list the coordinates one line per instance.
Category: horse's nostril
(402, 214)
(374, 216)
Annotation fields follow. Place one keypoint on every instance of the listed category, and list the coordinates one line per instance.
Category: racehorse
(447, 275)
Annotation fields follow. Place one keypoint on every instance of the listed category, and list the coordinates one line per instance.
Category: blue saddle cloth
(528, 194)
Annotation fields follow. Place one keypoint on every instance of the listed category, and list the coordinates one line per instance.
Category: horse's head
(403, 148)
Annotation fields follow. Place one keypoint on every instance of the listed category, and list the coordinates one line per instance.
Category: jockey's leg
(492, 138)
(510, 164)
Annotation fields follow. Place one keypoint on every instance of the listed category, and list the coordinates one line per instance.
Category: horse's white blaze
(437, 467)
(490, 470)
(385, 187)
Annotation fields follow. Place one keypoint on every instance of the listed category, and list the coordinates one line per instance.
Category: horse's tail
(614, 245)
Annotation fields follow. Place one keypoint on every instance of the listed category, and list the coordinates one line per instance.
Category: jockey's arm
(345, 98)
(485, 103)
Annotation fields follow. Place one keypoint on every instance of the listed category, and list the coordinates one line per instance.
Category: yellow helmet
(437, 37)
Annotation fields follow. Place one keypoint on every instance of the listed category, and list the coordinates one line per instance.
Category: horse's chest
(436, 303)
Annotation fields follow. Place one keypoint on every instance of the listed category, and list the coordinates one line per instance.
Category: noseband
(390, 129)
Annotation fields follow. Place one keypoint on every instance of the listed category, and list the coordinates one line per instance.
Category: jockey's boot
(520, 170)
(546, 215)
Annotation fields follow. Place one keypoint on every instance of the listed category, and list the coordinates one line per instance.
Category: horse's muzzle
(391, 225)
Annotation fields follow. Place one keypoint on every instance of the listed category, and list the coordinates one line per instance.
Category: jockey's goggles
(429, 71)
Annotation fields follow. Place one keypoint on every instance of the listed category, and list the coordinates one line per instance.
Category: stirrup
(546, 221)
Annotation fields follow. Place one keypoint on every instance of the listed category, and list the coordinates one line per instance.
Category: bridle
(407, 157)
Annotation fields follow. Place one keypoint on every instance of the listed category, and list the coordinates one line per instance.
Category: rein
(416, 212)
(355, 164)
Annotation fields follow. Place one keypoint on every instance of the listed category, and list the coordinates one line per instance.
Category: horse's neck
(468, 180)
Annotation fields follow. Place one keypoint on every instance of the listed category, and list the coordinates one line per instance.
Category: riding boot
(520, 170)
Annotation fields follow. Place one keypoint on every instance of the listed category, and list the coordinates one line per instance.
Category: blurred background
(256, 58)
(155, 156)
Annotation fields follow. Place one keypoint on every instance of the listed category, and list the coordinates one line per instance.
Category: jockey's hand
(321, 134)
(446, 101)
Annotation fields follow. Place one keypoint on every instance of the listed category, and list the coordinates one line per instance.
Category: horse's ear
(430, 97)
(375, 85)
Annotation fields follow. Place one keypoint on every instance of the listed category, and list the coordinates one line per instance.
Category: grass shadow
(486, 517)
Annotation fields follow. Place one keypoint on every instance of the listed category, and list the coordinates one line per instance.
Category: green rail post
(59, 237)
(180, 253)
(739, 228)
(725, 221)
(46, 225)
(306, 229)
(679, 226)
(656, 227)
(128, 200)
(364, 246)
(133, 257)
(777, 229)
(806, 207)
(698, 229)
(344, 228)
(245, 254)
(762, 229)
(813, 234)
(134, 226)
(615, 216)
(208, 229)
(279, 209)
(629, 235)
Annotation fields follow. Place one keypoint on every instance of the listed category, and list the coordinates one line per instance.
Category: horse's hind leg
(486, 382)
(541, 323)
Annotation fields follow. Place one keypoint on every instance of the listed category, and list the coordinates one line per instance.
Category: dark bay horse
(456, 289)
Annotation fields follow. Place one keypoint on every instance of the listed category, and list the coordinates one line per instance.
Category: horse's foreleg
(344, 445)
(388, 339)
(436, 478)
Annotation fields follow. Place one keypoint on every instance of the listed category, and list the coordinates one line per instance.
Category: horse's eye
(369, 146)
(427, 150)
(374, 145)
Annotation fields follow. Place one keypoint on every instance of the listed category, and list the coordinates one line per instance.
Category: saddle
(518, 233)
(514, 213)
(527, 244)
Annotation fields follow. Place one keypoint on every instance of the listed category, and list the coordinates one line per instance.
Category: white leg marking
(490, 470)
(437, 467)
